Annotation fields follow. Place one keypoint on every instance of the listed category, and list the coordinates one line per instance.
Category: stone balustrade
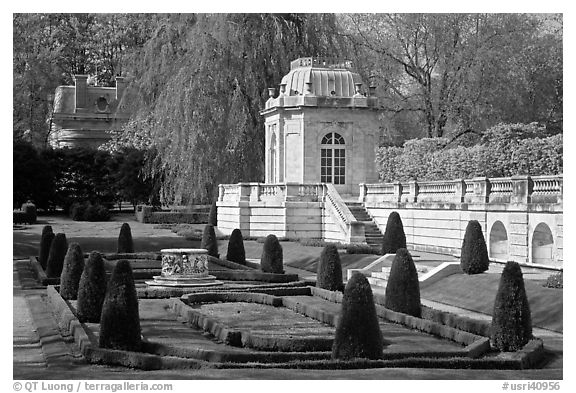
(508, 190)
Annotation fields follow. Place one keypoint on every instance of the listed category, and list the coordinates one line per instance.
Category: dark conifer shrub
(30, 210)
(511, 319)
(213, 215)
(92, 289)
(125, 243)
(357, 332)
(474, 254)
(329, 273)
(209, 241)
(394, 237)
(403, 288)
(45, 242)
(236, 252)
(72, 271)
(120, 320)
(272, 260)
(55, 261)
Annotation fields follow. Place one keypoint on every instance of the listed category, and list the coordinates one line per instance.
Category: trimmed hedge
(120, 320)
(272, 260)
(92, 289)
(45, 242)
(357, 332)
(555, 281)
(505, 150)
(125, 243)
(403, 288)
(236, 252)
(175, 218)
(55, 262)
(209, 241)
(394, 237)
(72, 271)
(511, 319)
(362, 249)
(89, 212)
(474, 254)
(329, 273)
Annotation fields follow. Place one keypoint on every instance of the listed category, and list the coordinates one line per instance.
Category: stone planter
(184, 267)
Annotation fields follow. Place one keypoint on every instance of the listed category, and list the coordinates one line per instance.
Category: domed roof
(329, 77)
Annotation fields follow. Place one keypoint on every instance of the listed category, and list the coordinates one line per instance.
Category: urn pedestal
(184, 267)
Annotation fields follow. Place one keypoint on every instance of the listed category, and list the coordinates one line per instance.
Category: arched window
(333, 159)
(542, 245)
(272, 159)
(499, 242)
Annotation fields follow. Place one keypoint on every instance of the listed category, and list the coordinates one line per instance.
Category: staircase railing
(353, 230)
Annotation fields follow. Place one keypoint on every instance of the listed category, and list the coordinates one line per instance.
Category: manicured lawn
(477, 293)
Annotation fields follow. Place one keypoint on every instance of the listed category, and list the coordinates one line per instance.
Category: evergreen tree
(511, 319)
(45, 242)
(394, 237)
(474, 254)
(55, 262)
(403, 288)
(120, 320)
(72, 271)
(329, 273)
(92, 289)
(209, 241)
(358, 333)
(213, 214)
(236, 252)
(272, 260)
(125, 243)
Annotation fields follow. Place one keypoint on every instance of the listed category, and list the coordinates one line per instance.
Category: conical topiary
(209, 241)
(394, 237)
(213, 215)
(120, 320)
(403, 288)
(329, 273)
(72, 271)
(125, 243)
(474, 254)
(236, 252)
(272, 260)
(92, 289)
(511, 319)
(55, 261)
(357, 332)
(45, 242)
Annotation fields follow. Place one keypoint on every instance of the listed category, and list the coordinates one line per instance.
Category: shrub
(555, 281)
(329, 273)
(394, 237)
(73, 267)
(209, 241)
(45, 242)
(511, 320)
(403, 288)
(125, 243)
(236, 252)
(19, 217)
(120, 320)
(272, 260)
(55, 261)
(315, 242)
(89, 212)
(357, 332)
(213, 215)
(92, 289)
(474, 254)
(30, 210)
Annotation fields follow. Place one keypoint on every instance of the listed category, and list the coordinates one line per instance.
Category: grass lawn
(477, 293)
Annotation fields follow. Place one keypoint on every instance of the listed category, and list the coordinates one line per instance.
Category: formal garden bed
(224, 329)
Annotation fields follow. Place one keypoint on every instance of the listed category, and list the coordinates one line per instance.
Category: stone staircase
(373, 235)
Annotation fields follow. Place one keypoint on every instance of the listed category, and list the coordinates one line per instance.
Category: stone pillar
(413, 196)
(220, 192)
(459, 190)
(362, 196)
(120, 86)
(81, 90)
(481, 190)
(244, 191)
(292, 191)
(522, 189)
(397, 191)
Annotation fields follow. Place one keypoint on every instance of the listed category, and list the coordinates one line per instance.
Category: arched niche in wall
(542, 245)
(498, 242)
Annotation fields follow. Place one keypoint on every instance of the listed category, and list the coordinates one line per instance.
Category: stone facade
(83, 115)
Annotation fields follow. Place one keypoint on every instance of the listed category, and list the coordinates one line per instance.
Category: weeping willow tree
(198, 86)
